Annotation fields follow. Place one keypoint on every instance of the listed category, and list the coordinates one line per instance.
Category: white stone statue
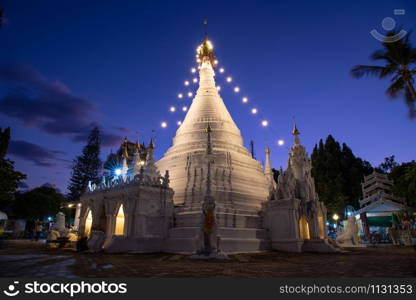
(350, 236)
(60, 222)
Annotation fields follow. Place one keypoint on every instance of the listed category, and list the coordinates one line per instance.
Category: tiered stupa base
(236, 231)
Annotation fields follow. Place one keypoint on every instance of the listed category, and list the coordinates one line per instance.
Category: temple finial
(206, 26)
(267, 150)
(296, 133)
(205, 51)
(152, 143)
(267, 166)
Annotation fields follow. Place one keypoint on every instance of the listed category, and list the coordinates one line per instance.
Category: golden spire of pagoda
(205, 50)
(296, 133)
(295, 130)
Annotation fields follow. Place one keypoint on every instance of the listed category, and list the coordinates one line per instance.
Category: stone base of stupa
(237, 231)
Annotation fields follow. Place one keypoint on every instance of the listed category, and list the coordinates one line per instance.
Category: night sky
(66, 66)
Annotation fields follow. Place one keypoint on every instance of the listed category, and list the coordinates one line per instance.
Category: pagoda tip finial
(295, 130)
(152, 143)
(295, 133)
(267, 149)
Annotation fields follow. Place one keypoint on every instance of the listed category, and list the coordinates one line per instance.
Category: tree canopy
(38, 203)
(86, 166)
(338, 174)
(9, 178)
(399, 58)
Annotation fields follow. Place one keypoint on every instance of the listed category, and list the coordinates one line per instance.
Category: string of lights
(189, 91)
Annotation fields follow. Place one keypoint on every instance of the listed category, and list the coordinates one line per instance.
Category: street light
(335, 217)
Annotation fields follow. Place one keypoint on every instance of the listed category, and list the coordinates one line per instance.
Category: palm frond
(400, 51)
(410, 101)
(396, 88)
(362, 70)
(383, 55)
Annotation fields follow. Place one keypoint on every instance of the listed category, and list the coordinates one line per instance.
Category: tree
(399, 58)
(338, 174)
(86, 166)
(9, 178)
(38, 203)
(404, 179)
(388, 165)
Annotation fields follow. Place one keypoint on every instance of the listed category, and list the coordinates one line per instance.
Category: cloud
(124, 130)
(107, 139)
(48, 105)
(39, 155)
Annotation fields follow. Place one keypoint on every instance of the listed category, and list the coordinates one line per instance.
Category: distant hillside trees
(38, 203)
(403, 176)
(338, 174)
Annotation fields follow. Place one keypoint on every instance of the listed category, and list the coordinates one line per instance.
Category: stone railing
(120, 182)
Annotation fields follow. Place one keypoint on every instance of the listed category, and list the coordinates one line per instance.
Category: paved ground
(31, 259)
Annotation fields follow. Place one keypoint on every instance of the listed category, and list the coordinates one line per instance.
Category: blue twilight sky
(66, 65)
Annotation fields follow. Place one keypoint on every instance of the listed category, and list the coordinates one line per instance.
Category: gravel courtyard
(23, 258)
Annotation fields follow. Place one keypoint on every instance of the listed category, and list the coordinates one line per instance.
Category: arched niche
(88, 223)
(119, 226)
(321, 225)
(304, 228)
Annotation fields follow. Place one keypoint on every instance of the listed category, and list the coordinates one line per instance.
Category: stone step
(194, 219)
(227, 245)
(223, 232)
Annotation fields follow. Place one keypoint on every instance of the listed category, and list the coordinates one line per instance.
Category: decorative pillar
(77, 216)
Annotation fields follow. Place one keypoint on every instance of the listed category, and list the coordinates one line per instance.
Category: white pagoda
(238, 183)
(214, 196)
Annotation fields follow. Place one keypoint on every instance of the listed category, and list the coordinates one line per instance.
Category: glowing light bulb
(117, 172)
(229, 79)
(254, 111)
(209, 44)
(280, 142)
(186, 82)
(215, 62)
(222, 70)
(264, 123)
(245, 99)
(184, 108)
(218, 88)
(163, 124)
(172, 108)
(193, 70)
(179, 123)
(180, 96)
(195, 80)
(190, 94)
(236, 89)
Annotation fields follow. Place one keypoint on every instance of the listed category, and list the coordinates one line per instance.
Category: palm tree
(400, 59)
